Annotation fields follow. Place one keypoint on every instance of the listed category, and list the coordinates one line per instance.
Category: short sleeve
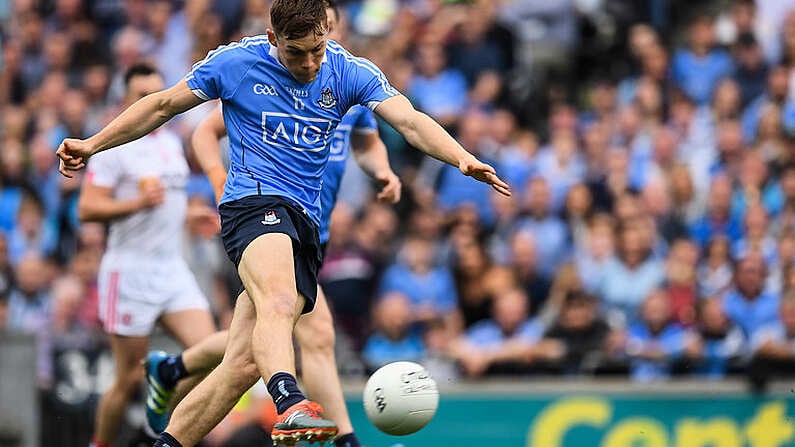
(219, 74)
(363, 81)
(104, 169)
(365, 121)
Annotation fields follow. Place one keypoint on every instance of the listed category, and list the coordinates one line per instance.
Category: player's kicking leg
(261, 335)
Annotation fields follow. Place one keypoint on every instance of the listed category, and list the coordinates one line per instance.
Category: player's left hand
(391, 187)
(485, 173)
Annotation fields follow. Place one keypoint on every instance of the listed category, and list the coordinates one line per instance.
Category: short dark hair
(139, 69)
(294, 19)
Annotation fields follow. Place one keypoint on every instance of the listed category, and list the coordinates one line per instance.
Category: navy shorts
(246, 219)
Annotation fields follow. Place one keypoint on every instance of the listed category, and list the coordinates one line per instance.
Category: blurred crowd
(651, 152)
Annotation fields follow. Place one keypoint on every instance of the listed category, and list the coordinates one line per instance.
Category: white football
(400, 398)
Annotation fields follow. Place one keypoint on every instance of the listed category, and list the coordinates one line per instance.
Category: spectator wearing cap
(748, 304)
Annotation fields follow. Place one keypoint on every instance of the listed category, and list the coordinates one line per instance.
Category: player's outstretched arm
(208, 151)
(144, 116)
(371, 155)
(425, 134)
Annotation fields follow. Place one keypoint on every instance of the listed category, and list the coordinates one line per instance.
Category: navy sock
(349, 440)
(166, 440)
(284, 391)
(172, 370)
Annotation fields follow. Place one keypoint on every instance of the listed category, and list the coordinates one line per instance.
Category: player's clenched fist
(74, 155)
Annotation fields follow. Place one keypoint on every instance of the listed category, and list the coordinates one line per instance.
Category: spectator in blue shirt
(455, 190)
(29, 302)
(755, 184)
(776, 93)
(748, 304)
(32, 233)
(544, 226)
(503, 344)
(697, 69)
(718, 219)
(723, 343)
(773, 345)
(394, 338)
(430, 289)
(757, 237)
(655, 343)
(439, 91)
(634, 265)
(561, 165)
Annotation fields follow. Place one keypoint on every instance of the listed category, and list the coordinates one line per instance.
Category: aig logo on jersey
(296, 132)
(270, 218)
(264, 89)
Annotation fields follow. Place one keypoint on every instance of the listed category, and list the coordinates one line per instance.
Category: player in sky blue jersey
(283, 96)
(314, 332)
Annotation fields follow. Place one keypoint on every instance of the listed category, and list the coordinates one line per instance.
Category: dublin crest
(327, 99)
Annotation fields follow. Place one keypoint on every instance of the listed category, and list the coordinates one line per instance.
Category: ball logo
(264, 89)
(380, 399)
(416, 382)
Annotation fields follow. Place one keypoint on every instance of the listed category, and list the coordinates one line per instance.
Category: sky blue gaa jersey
(358, 120)
(279, 129)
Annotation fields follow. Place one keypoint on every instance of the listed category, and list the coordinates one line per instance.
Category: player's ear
(271, 37)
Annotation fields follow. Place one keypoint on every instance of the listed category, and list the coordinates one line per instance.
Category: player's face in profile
(302, 57)
(141, 86)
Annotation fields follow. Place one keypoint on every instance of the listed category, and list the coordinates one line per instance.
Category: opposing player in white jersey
(291, 78)
(143, 278)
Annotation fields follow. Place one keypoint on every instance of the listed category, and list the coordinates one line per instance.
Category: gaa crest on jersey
(270, 218)
(327, 99)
